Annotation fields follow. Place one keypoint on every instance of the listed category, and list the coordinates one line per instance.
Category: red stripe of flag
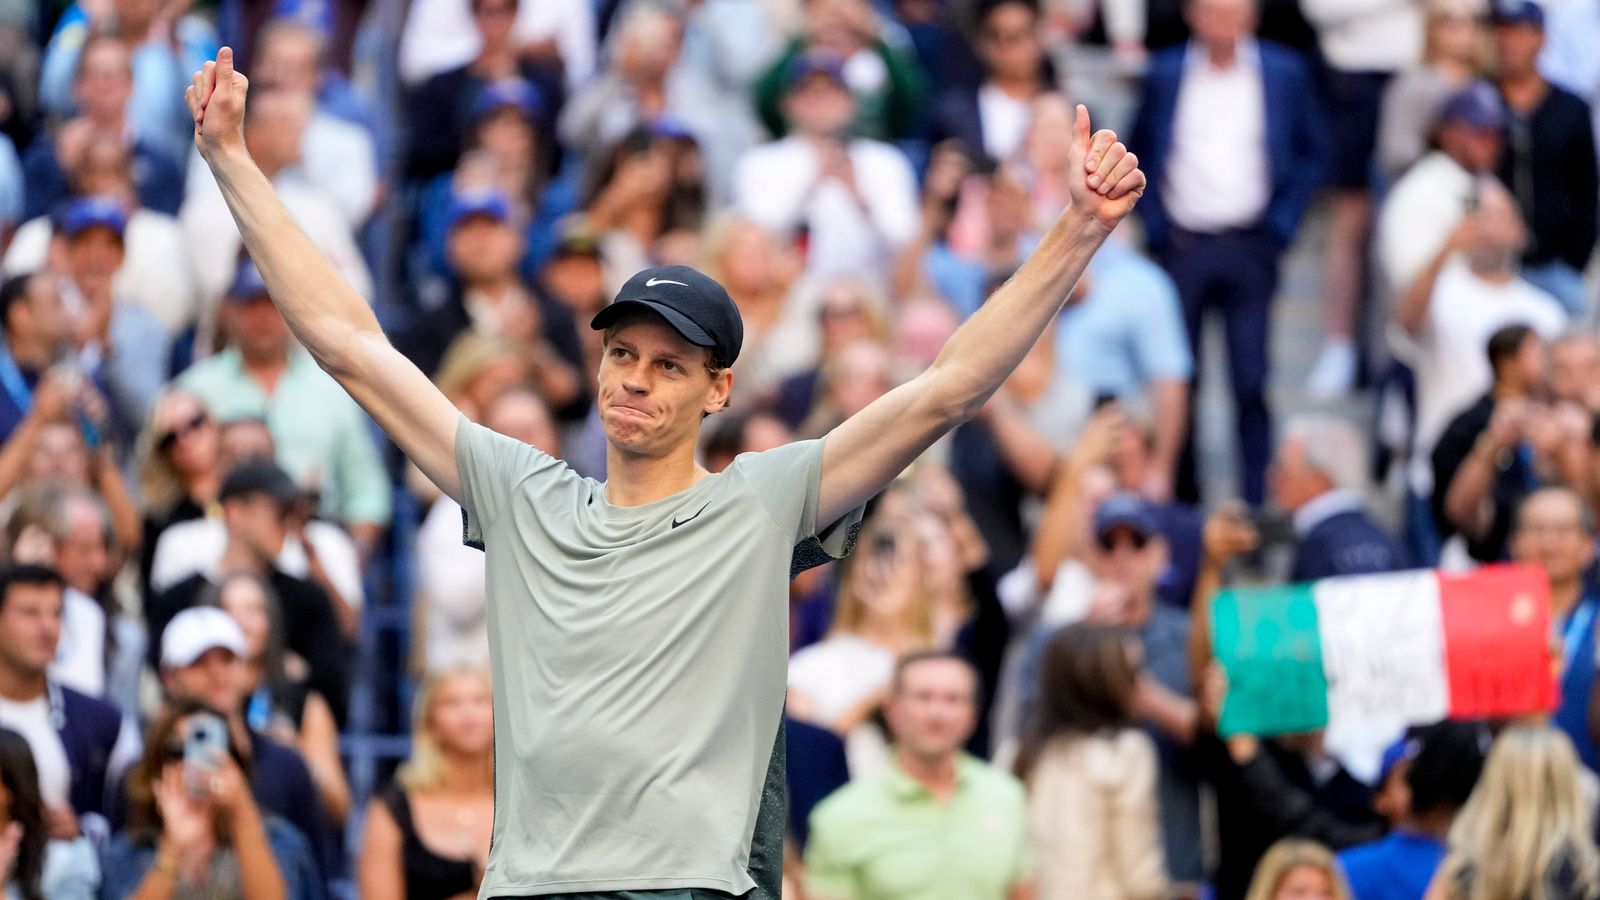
(1497, 641)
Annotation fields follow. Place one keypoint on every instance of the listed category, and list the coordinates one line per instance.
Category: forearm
(985, 350)
(322, 310)
(1059, 536)
(1170, 397)
(258, 871)
(18, 450)
(1412, 310)
(1175, 715)
(160, 881)
(1031, 458)
(1469, 487)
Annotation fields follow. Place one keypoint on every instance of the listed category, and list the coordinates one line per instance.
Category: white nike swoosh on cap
(655, 281)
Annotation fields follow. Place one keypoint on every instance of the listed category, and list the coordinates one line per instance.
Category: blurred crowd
(1007, 690)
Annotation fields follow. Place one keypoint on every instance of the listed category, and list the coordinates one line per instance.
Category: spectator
(890, 833)
(976, 229)
(180, 463)
(645, 83)
(1549, 160)
(1468, 292)
(1298, 870)
(1428, 203)
(1317, 478)
(118, 343)
(854, 198)
(1572, 28)
(439, 35)
(147, 279)
(202, 662)
(272, 133)
(197, 829)
(443, 108)
(883, 77)
(281, 704)
(81, 745)
(427, 835)
(37, 866)
(1233, 146)
(992, 120)
(646, 200)
(297, 52)
(1530, 789)
(36, 328)
(776, 306)
(1091, 773)
(322, 436)
(255, 497)
(102, 88)
(848, 312)
(338, 154)
(1575, 370)
(1438, 768)
(1454, 52)
(1554, 532)
(489, 298)
(1363, 45)
(1499, 449)
(450, 575)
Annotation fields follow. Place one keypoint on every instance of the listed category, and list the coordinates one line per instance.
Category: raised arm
(324, 312)
(871, 447)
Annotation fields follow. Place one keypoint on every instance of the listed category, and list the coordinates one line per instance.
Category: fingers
(1120, 179)
(1133, 184)
(1104, 152)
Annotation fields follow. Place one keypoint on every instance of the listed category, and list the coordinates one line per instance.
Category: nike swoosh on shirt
(655, 281)
(677, 521)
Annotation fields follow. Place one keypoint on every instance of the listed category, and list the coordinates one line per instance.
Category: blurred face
(520, 416)
(1221, 23)
(1305, 883)
(246, 439)
(59, 455)
(1392, 800)
(1500, 230)
(508, 136)
(748, 260)
(1517, 49)
(941, 563)
(494, 19)
(289, 60)
(93, 258)
(133, 16)
(275, 126)
(654, 388)
(103, 169)
(42, 318)
(921, 332)
(765, 433)
(82, 555)
(1009, 42)
(189, 436)
(217, 679)
(843, 317)
(462, 717)
(933, 711)
(577, 281)
(1457, 32)
(1575, 371)
(1476, 149)
(862, 376)
(1049, 138)
(819, 106)
(1292, 480)
(1130, 560)
(482, 249)
(105, 83)
(1550, 535)
(1526, 367)
(244, 599)
(258, 329)
(257, 520)
(30, 628)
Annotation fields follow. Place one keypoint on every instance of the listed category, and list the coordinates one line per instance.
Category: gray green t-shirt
(639, 657)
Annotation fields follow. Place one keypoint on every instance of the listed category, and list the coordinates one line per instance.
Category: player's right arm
(326, 314)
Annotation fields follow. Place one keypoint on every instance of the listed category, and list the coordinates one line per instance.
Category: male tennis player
(638, 627)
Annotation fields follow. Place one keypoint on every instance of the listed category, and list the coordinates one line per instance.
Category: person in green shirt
(937, 824)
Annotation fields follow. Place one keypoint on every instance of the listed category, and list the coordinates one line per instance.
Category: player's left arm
(870, 448)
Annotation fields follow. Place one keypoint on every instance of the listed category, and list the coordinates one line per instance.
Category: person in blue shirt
(1426, 779)
(35, 327)
(1554, 531)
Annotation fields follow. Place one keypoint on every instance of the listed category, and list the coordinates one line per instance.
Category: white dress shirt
(80, 661)
(1217, 177)
(1005, 121)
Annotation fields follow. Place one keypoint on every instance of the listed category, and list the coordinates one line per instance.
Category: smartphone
(205, 743)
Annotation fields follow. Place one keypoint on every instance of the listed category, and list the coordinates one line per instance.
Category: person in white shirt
(1466, 293)
(439, 36)
(855, 200)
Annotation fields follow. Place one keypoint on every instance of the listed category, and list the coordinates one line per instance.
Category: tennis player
(638, 626)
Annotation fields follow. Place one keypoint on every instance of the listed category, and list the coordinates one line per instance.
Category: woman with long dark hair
(23, 834)
(1091, 773)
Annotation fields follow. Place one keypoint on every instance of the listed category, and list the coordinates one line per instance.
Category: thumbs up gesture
(216, 101)
(1106, 179)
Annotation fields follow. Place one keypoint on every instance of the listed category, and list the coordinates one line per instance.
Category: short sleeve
(491, 465)
(788, 480)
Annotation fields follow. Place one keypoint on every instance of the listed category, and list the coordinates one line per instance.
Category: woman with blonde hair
(1526, 831)
(1298, 869)
(427, 836)
(180, 467)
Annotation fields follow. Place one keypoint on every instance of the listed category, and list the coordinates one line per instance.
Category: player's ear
(721, 390)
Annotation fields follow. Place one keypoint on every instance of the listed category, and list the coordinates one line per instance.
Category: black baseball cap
(692, 303)
(259, 476)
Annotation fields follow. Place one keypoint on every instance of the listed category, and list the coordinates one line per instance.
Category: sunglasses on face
(1013, 36)
(184, 429)
(1109, 542)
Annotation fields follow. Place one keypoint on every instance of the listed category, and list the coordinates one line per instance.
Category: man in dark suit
(1234, 145)
(1316, 478)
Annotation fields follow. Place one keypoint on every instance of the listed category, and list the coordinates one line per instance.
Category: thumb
(224, 64)
(1080, 128)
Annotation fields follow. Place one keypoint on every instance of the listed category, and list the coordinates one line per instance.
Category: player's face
(654, 387)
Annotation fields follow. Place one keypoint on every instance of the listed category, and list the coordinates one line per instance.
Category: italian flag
(1366, 656)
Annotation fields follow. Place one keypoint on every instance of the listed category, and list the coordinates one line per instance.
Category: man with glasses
(990, 121)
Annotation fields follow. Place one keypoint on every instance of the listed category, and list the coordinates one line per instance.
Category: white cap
(194, 631)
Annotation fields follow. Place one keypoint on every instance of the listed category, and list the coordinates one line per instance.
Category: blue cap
(508, 92)
(248, 285)
(1476, 105)
(1127, 510)
(94, 212)
(1519, 12)
(815, 62)
(1396, 753)
(670, 127)
(485, 202)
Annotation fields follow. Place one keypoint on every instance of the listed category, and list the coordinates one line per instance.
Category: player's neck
(633, 480)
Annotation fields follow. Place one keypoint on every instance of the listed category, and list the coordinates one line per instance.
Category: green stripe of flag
(1267, 641)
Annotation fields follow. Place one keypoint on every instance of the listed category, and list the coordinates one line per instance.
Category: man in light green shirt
(938, 824)
(323, 438)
